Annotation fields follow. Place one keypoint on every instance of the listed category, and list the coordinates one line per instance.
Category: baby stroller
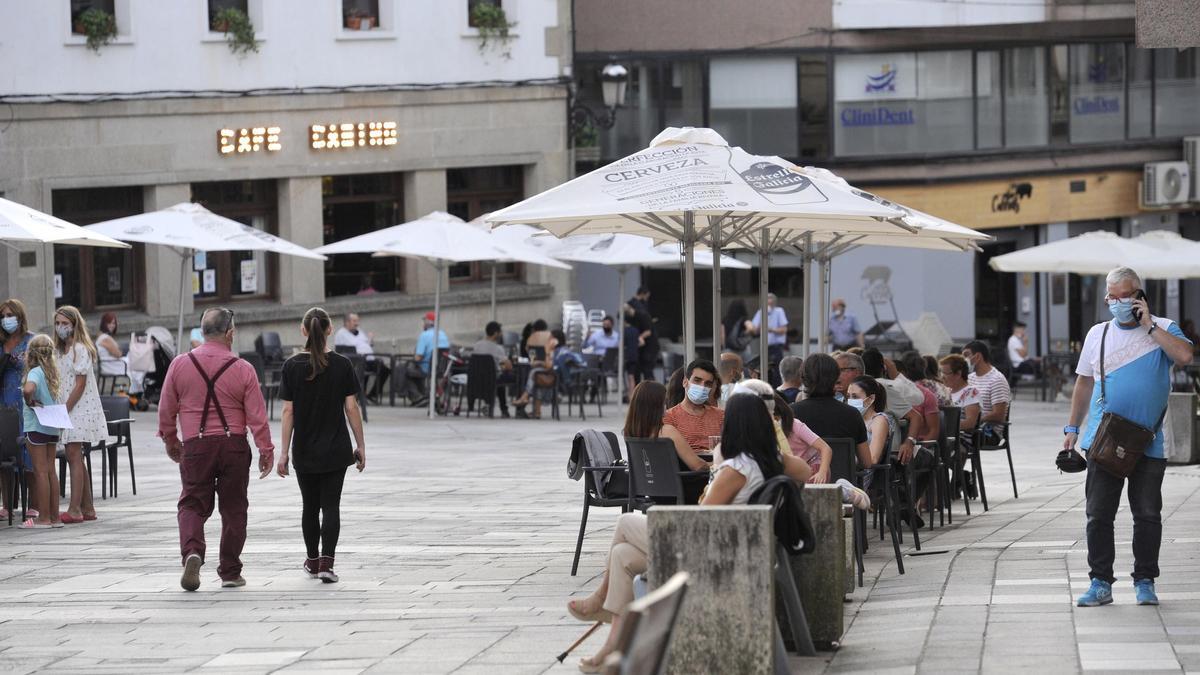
(151, 353)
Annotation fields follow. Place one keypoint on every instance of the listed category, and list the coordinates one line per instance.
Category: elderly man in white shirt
(349, 335)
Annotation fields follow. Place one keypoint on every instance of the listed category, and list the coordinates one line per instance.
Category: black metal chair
(881, 480)
(268, 380)
(270, 347)
(360, 371)
(785, 580)
(845, 465)
(605, 479)
(481, 383)
(111, 383)
(979, 445)
(654, 475)
(11, 466)
(950, 474)
(550, 391)
(644, 642)
(120, 432)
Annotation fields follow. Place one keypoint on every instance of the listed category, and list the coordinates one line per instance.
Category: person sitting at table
(803, 442)
(113, 363)
(644, 419)
(933, 380)
(351, 335)
(964, 396)
(824, 414)
(491, 346)
(697, 417)
(731, 369)
(536, 368)
(604, 339)
(749, 457)
(789, 371)
(675, 388)
(539, 335)
(869, 398)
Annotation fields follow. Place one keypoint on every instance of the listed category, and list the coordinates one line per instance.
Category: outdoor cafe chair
(120, 435)
(360, 371)
(951, 474)
(644, 643)
(481, 384)
(844, 465)
(596, 458)
(268, 380)
(978, 446)
(776, 493)
(11, 466)
(655, 476)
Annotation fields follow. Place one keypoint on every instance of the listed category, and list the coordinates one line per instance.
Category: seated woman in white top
(752, 456)
(112, 361)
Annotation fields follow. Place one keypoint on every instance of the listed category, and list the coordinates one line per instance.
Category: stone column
(33, 282)
(162, 262)
(301, 281)
(820, 574)
(424, 191)
(727, 622)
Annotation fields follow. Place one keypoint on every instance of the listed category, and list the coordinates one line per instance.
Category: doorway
(995, 295)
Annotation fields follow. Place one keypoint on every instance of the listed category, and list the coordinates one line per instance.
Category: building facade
(350, 116)
(1029, 120)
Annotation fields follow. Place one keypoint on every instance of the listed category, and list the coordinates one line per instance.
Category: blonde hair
(79, 331)
(40, 352)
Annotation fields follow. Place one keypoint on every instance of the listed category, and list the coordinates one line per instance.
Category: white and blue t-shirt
(1137, 376)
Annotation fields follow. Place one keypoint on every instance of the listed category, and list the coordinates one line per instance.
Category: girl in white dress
(76, 365)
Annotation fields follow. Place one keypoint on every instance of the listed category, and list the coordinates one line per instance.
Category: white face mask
(697, 394)
(63, 331)
(856, 403)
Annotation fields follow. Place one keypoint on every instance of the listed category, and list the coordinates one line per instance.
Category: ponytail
(316, 322)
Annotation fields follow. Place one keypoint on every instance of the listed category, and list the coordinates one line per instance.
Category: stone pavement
(455, 552)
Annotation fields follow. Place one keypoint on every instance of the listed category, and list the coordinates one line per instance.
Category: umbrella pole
(621, 334)
(437, 331)
(808, 279)
(184, 256)
(826, 277)
(715, 247)
(764, 322)
(493, 290)
(689, 286)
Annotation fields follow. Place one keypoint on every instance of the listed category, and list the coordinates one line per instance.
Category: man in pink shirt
(213, 397)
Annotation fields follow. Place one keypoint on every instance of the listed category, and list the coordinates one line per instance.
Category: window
(903, 103)
(1097, 92)
(753, 103)
(1026, 98)
(78, 7)
(1141, 92)
(222, 276)
(814, 106)
(1060, 95)
(215, 7)
(93, 278)
(471, 9)
(471, 193)
(355, 205)
(683, 94)
(989, 117)
(360, 14)
(1176, 92)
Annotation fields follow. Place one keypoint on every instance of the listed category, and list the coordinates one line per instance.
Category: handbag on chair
(1119, 442)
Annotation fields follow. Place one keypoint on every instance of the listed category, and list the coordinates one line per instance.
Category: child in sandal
(41, 388)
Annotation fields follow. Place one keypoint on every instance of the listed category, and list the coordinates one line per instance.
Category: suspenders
(210, 398)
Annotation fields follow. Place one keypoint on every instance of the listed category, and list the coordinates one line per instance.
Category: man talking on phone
(1138, 350)
(214, 398)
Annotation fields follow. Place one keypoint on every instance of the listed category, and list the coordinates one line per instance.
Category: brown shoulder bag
(1119, 442)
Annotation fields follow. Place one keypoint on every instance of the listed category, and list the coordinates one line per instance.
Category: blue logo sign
(877, 117)
(1096, 105)
(883, 82)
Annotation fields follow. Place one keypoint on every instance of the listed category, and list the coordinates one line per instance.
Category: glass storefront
(90, 277)
(1176, 92)
(471, 193)
(354, 205)
(752, 103)
(222, 276)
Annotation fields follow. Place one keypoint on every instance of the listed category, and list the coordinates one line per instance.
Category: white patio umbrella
(187, 228)
(625, 251)
(1098, 253)
(685, 173)
(21, 223)
(515, 240)
(440, 239)
(1171, 243)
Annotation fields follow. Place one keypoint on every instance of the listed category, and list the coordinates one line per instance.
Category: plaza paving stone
(455, 552)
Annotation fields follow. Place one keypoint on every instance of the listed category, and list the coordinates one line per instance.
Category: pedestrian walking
(214, 462)
(320, 395)
(76, 365)
(41, 387)
(1133, 355)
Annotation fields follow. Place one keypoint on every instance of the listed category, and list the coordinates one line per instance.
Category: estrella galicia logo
(771, 179)
(885, 81)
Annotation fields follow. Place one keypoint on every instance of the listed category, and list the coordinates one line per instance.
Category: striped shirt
(696, 428)
(993, 389)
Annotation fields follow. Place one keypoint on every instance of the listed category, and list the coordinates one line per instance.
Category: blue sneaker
(1100, 593)
(1145, 592)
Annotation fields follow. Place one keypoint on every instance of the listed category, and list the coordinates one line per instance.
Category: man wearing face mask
(1139, 350)
(214, 398)
(697, 418)
(994, 392)
(844, 332)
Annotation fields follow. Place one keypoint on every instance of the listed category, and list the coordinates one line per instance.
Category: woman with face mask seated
(644, 419)
(751, 456)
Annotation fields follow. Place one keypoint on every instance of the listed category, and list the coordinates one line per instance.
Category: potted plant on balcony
(99, 26)
(493, 26)
(238, 30)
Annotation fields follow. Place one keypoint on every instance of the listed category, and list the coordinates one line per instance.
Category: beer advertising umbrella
(688, 174)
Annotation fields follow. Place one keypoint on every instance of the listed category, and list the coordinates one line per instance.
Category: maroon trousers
(215, 466)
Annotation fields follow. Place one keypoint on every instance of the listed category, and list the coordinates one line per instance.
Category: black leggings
(321, 492)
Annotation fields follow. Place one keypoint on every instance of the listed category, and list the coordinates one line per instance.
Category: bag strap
(1103, 399)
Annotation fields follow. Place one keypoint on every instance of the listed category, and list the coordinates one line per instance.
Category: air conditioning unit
(1165, 183)
(1191, 155)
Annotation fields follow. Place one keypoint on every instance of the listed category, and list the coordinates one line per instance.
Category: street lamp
(613, 80)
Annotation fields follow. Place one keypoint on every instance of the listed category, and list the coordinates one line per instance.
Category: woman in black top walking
(319, 392)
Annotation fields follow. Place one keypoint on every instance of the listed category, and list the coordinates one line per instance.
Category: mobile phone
(1139, 294)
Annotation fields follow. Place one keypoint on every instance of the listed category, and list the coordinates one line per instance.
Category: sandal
(3, 513)
(31, 524)
(57, 525)
(592, 617)
(70, 519)
(590, 665)
(91, 517)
